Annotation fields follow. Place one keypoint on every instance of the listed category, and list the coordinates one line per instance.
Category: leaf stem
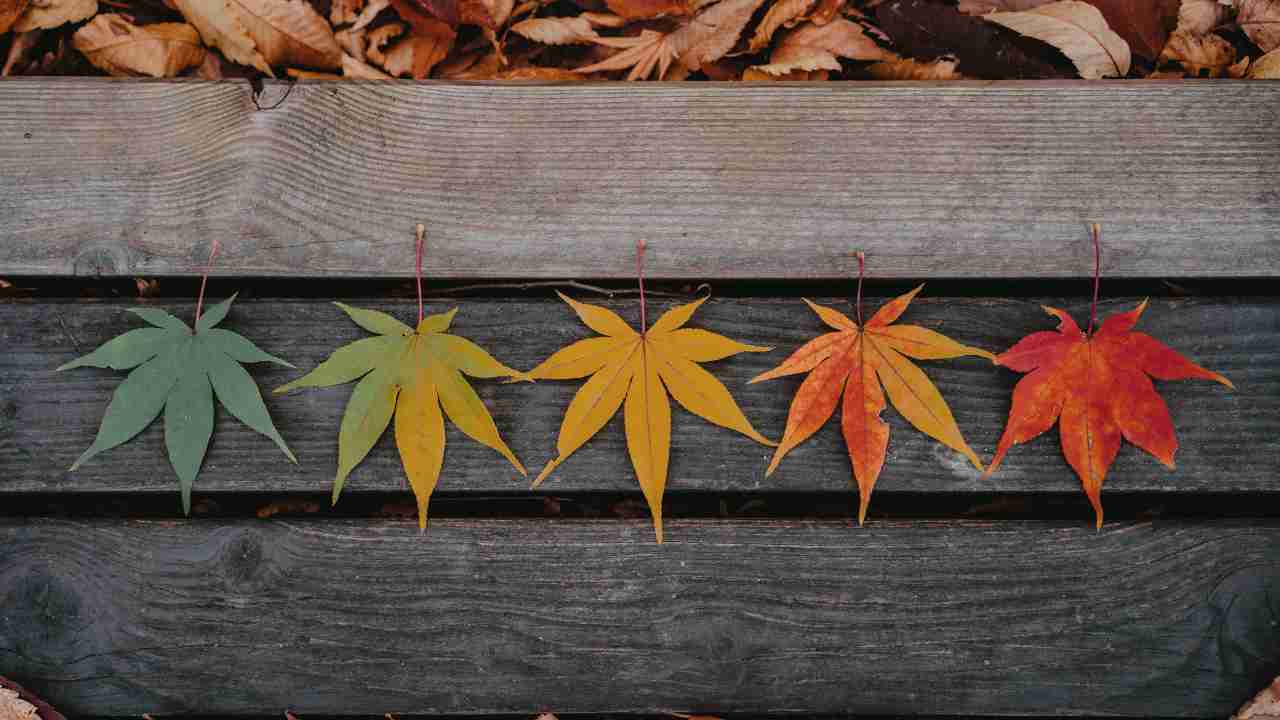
(640, 248)
(422, 233)
(862, 268)
(1096, 231)
(204, 278)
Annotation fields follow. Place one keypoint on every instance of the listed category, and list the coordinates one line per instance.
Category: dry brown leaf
(344, 12)
(499, 11)
(220, 27)
(648, 9)
(369, 14)
(49, 14)
(290, 32)
(561, 30)
(10, 11)
(1202, 16)
(704, 39)
(1199, 55)
(352, 42)
(1266, 67)
(780, 14)
(982, 7)
(1266, 706)
(753, 75)
(1078, 30)
(20, 50)
(354, 69)
(827, 11)
(540, 73)
(816, 47)
(122, 49)
(413, 55)
(1260, 20)
(13, 707)
(1144, 24)
(297, 74)
(907, 69)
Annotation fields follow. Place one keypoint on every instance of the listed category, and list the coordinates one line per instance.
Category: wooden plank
(120, 618)
(1227, 437)
(726, 181)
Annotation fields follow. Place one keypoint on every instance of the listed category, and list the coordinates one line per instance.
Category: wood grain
(725, 181)
(365, 617)
(1227, 438)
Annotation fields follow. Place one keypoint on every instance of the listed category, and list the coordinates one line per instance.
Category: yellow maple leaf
(641, 368)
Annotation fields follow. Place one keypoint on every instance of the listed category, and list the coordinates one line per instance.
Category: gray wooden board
(1227, 438)
(725, 180)
(367, 616)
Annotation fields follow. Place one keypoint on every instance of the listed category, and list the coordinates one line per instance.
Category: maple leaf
(179, 369)
(640, 368)
(866, 362)
(123, 49)
(410, 373)
(1097, 387)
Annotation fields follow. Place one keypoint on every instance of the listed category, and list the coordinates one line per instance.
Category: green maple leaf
(179, 370)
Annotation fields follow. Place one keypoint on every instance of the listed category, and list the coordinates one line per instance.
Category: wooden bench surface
(725, 181)
(946, 603)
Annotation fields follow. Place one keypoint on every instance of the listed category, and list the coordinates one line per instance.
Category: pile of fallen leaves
(643, 39)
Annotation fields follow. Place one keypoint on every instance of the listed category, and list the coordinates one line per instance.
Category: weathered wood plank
(121, 618)
(726, 181)
(1227, 438)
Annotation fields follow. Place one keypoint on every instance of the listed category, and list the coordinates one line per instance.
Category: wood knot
(245, 563)
(102, 258)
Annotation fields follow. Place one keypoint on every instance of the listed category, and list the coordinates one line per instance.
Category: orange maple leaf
(1096, 387)
(859, 359)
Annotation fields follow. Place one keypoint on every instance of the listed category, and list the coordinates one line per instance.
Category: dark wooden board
(1227, 438)
(120, 618)
(725, 180)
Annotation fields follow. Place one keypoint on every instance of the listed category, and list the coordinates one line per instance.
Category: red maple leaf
(1097, 387)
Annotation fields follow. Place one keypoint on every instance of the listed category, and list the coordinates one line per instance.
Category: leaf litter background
(565, 40)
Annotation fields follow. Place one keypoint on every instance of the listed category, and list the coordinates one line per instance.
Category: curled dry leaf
(265, 33)
(1266, 67)
(1199, 55)
(649, 9)
(122, 49)
(1202, 16)
(813, 47)
(908, 69)
(414, 54)
(13, 707)
(564, 30)
(49, 14)
(753, 75)
(1144, 24)
(704, 39)
(10, 11)
(23, 44)
(1265, 706)
(1078, 30)
(1260, 20)
(782, 13)
(356, 70)
(344, 12)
